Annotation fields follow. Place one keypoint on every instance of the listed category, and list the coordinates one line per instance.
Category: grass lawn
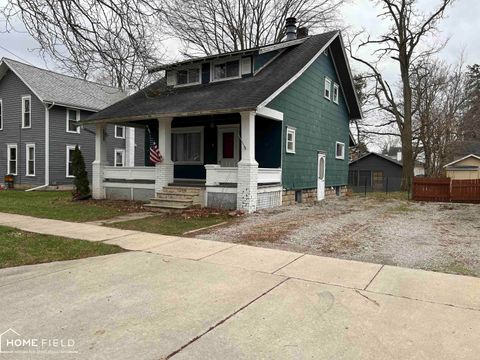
(24, 248)
(58, 205)
(172, 224)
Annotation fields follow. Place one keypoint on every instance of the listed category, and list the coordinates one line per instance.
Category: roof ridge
(60, 74)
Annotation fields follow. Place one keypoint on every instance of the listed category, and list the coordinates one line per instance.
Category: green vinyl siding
(319, 124)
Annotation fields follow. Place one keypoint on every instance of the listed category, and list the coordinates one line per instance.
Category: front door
(228, 145)
(321, 177)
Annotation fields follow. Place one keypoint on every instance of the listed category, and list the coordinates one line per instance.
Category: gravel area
(432, 236)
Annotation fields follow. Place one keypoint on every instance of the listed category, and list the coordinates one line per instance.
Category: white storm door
(228, 145)
(321, 177)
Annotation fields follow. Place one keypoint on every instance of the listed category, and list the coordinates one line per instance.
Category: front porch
(234, 159)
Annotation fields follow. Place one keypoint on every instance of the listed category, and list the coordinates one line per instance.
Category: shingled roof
(160, 100)
(52, 87)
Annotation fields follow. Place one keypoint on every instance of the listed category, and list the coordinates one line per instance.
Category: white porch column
(98, 165)
(129, 146)
(247, 184)
(164, 169)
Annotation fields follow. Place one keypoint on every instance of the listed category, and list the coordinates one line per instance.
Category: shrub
(82, 187)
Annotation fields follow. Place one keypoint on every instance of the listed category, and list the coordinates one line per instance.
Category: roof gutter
(47, 147)
(166, 115)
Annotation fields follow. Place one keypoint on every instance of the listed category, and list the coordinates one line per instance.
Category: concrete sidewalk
(189, 298)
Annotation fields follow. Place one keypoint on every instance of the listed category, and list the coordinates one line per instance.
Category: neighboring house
(39, 125)
(375, 172)
(466, 168)
(244, 130)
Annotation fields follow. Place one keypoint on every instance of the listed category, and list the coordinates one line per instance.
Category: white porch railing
(269, 176)
(129, 173)
(229, 175)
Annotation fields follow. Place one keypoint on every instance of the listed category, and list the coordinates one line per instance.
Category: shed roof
(64, 90)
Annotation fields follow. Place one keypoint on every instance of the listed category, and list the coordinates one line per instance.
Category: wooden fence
(446, 190)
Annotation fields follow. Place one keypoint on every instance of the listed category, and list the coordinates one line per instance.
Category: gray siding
(373, 163)
(11, 91)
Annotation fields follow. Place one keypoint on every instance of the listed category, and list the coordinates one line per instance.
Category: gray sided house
(40, 113)
(375, 172)
(248, 129)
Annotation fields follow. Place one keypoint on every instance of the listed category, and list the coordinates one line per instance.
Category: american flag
(155, 156)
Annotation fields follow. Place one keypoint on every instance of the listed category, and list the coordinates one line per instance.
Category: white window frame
(293, 131)
(190, 130)
(199, 68)
(124, 130)
(1, 114)
(336, 93)
(224, 61)
(25, 97)
(67, 160)
(119, 151)
(12, 146)
(341, 157)
(27, 158)
(77, 116)
(328, 86)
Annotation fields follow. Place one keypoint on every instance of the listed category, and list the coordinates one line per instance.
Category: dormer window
(188, 76)
(226, 70)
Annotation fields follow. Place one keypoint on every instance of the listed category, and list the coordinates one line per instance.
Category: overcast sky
(462, 26)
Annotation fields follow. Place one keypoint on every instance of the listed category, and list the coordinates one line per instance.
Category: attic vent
(291, 28)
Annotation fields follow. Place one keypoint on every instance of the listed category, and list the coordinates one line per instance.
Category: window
(12, 159)
(226, 70)
(119, 160)
(291, 140)
(340, 150)
(30, 159)
(26, 112)
(70, 150)
(335, 93)
(73, 116)
(119, 132)
(187, 145)
(328, 88)
(1, 114)
(188, 76)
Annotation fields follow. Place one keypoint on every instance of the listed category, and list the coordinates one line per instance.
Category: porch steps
(176, 199)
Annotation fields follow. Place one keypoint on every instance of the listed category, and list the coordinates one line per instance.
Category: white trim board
(461, 159)
(270, 113)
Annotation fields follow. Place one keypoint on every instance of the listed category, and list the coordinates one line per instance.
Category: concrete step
(182, 189)
(172, 203)
(158, 208)
(175, 196)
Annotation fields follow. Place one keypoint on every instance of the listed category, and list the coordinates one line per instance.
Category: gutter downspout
(47, 148)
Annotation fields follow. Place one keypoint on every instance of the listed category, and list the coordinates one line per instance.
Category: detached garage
(466, 168)
(375, 172)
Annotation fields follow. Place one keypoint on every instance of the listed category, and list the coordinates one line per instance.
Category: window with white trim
(30, 159)
(187, 145)
(1, 114)
(340, 150)
(290, 140)
(73, 117)
(119, 132)
(69, 158)
(335, 93)
(226, 70)
(119, 158)
(12, 156)
(188, 76)
(328, 88)
(26, 112)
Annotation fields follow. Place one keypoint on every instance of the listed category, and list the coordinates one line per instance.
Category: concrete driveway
(196, 299)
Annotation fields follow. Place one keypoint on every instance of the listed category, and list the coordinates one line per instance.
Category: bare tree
(404, 43)
(439, 95)
(113, 41)
(208, 27)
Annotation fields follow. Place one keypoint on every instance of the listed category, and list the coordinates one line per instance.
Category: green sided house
(245, 130)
